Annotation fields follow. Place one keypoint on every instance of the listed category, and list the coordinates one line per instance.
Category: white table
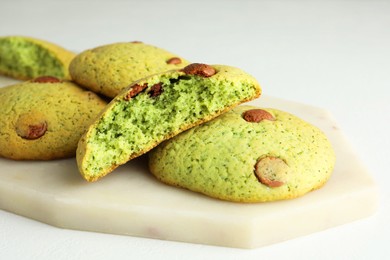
(334, 55)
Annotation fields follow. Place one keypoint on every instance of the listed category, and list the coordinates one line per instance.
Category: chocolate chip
(135, 89)
(199, 69)
(156, 90)
(46, 79)
(257, 115)
(174, 61)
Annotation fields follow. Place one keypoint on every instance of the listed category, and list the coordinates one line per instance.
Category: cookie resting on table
(247, 155)
(110, 68)
(157, 108)
(44, 118)
(27, 58)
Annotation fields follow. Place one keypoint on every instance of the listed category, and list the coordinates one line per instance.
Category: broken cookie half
(157, 108)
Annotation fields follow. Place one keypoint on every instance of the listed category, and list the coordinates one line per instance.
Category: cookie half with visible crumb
(27, 58)
(44, 118)
(248, 154)
(110, 68)
(159, 107)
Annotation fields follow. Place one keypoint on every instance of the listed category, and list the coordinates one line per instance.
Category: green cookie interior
(129, 128)
(22, 58)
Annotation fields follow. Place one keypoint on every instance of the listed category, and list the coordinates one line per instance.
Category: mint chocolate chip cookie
(159, 107)
(44, 118)
(110, 68)
(247, 155)
(27, 58)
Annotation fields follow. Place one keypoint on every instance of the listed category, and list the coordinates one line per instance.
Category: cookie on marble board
(43, 119)
(159, 107)
(248, 154)
(110, 68)
(26, 58)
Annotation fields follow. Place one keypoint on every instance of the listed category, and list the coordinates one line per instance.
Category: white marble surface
(130, 201)
(331, 54)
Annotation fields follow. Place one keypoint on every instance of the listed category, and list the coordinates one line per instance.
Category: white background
(331, 54)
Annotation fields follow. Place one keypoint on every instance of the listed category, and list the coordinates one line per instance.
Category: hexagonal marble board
(130, 201)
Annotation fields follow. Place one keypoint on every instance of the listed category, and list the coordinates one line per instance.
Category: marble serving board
(130, 201)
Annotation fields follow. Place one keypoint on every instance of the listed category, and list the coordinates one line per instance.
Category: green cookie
(157, 108)
(110, 68)
(247, 155)
(44, 118)
(27, 58)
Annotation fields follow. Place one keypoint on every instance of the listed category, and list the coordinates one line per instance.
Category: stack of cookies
(122, 100)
